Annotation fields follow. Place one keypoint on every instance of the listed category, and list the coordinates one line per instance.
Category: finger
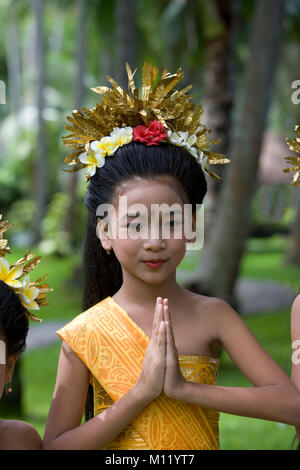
(169, 348)
(170, 335)
(159, 319)
(166, 312)
(155, 323)
(154, 317)
(161, 335)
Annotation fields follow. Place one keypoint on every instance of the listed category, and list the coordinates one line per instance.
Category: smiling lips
(154, 263)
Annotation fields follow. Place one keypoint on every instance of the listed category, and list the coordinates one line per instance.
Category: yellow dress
(113, 347)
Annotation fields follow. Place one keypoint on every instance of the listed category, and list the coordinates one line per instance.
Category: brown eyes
(137, 226)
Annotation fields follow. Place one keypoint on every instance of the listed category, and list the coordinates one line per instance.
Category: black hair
(102, 274)
(14, 321)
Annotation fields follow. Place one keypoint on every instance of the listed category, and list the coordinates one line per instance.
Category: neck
(137, 292)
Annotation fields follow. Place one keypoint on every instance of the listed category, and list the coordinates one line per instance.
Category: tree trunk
(41, 183)
(79, 92)
(13, 61)
(219, 88)
(221, 257)
(126, 39)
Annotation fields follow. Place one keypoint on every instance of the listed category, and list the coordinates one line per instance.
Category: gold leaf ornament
(158, 100)
(294, 160)
(32, 294)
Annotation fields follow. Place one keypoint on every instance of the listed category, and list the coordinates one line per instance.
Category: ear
(103, 234)
(10, 366)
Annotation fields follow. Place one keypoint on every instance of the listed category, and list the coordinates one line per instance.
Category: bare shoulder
(19, 436)
(216, 314)
(295, 319)
(212, 308)
(209, 315)
(296, 306)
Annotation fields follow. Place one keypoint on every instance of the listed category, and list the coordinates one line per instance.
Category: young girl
(148, 347)
(295, 312)
(15, 299)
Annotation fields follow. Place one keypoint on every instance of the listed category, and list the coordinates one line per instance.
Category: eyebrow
(141, 215)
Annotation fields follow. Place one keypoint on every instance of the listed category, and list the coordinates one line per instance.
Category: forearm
(103, 428)
(277, 402)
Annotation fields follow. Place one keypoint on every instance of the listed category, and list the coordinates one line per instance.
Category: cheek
(124, 249)
(178, 247)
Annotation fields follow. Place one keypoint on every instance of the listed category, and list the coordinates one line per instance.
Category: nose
(155, 243)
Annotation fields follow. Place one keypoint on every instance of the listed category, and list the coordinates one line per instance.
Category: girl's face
(156, 234)
(7, 364)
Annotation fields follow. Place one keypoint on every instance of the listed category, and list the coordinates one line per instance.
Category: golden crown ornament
(158, 113)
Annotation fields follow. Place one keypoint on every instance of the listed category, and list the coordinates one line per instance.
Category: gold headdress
(293, 159)
(156, 116)
(31, 294)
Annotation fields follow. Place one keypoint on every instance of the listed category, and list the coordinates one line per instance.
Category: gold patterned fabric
(113, 347)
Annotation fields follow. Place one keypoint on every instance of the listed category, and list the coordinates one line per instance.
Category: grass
(263, 260)
(272, 331)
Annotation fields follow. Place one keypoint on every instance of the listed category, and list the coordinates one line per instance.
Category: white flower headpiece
(32, 294)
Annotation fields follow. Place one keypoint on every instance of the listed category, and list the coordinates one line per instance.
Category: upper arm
(244, 349)
(28, 437)
(295, 319)
(18, 435)
(295, 336)
(69, 395)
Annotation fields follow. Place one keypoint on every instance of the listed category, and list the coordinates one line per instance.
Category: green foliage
(273, 244)
(21, 215)
(270, 266)
(55, 238)
(271, 204)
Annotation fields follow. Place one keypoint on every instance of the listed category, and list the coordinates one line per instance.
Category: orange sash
(113, 347)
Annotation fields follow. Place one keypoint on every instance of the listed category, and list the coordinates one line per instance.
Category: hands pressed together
(161, 372)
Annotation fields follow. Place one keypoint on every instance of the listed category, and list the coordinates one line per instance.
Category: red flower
(150, 135)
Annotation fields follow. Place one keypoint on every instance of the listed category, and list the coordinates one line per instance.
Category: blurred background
(242, 57)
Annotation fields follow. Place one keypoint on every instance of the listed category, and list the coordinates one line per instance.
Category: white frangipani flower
(28, 295)
(10, 275)
(183, 139)
(203, 162)
(99, 149)
(121, 136)
(103, 147)
(92, 160)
